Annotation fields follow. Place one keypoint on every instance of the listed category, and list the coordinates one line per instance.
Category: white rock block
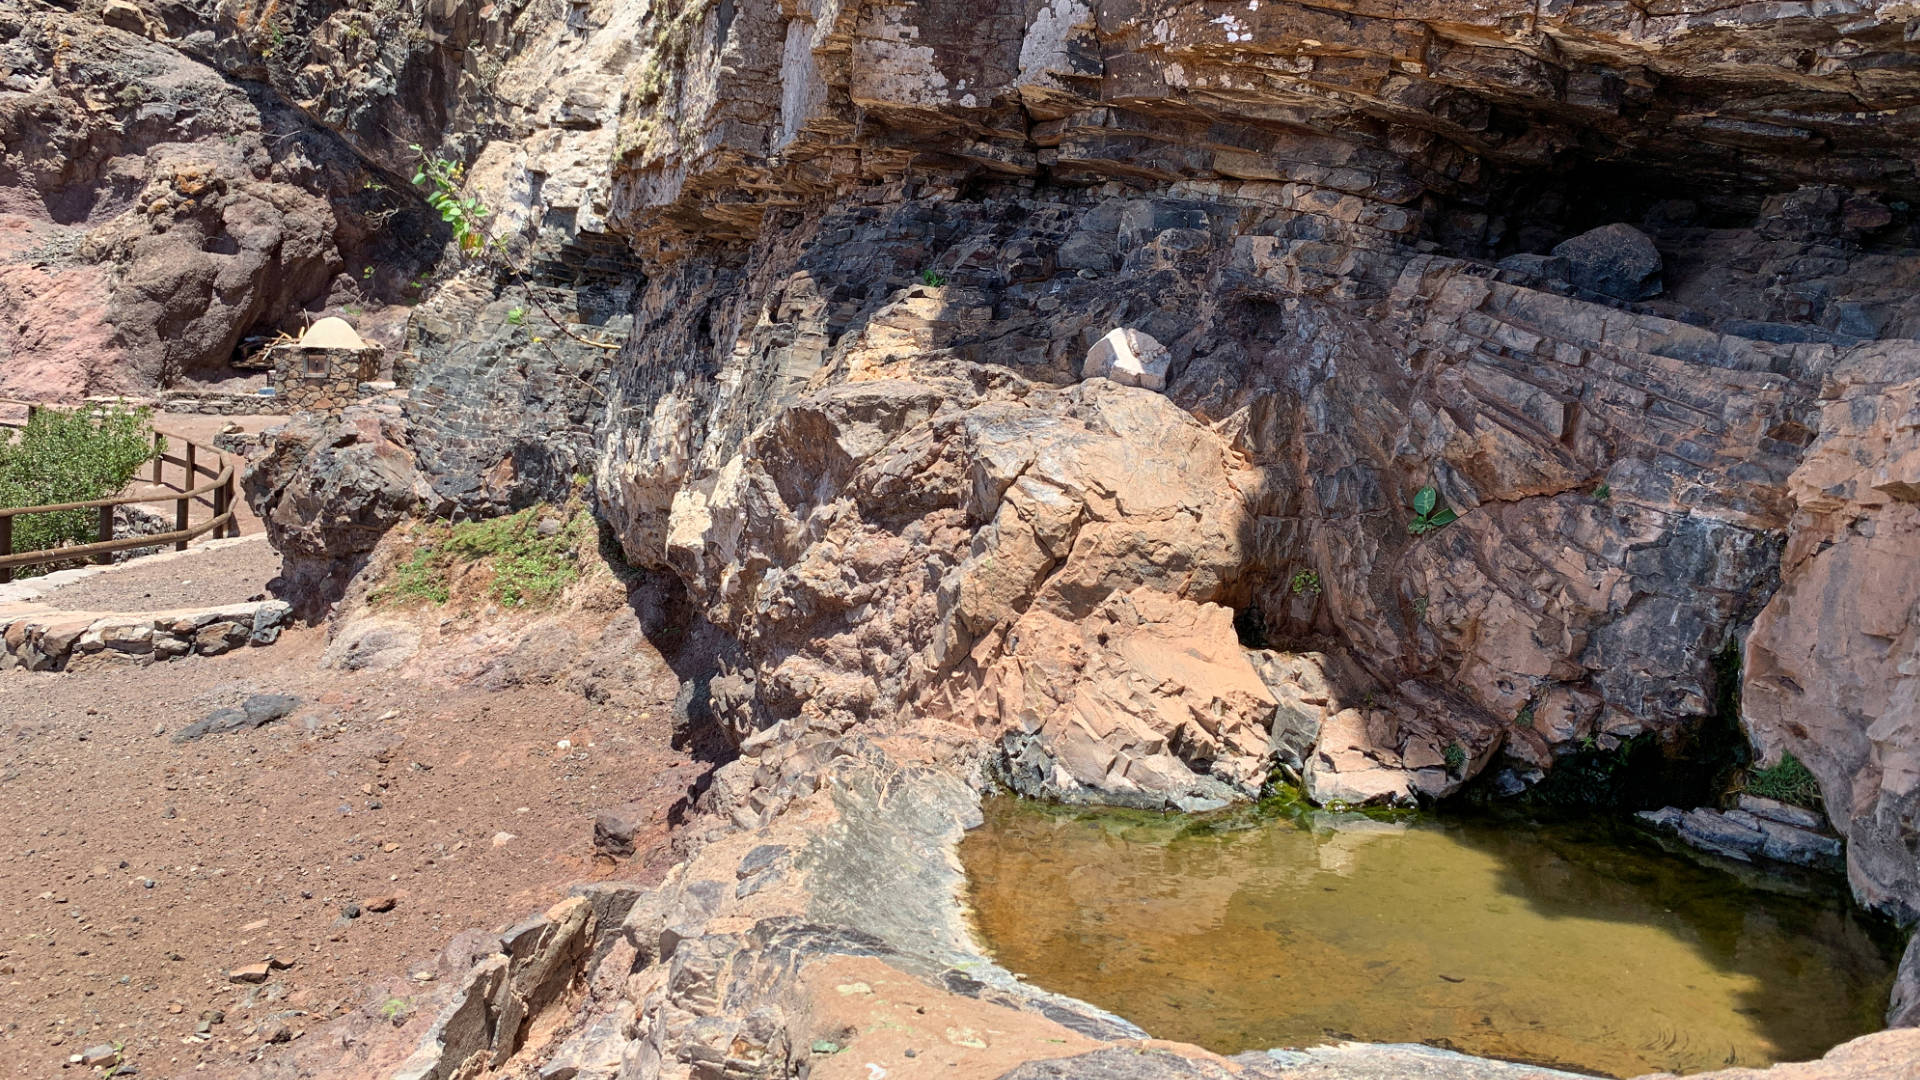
(1129, 358)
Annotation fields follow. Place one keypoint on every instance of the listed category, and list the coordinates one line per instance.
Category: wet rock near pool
(1758, 830)
(1832, 667)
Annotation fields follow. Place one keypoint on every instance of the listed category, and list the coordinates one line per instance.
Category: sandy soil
(139, 871)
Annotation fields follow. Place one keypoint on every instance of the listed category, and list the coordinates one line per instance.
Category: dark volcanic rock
(1613, 260)
(327, 490)
(256, 710)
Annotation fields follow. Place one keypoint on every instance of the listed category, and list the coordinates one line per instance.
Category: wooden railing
(218, 490)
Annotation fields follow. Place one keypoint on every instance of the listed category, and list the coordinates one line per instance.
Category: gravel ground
(139, 871)
(197, 577)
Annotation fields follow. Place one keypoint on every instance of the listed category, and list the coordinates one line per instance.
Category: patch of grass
(421, 579)
(1788, 781)
(525, 558)
(1456, 758)
(932, 279)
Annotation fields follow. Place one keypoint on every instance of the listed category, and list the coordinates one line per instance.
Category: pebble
(502, 839)
(249, 973)
(382, 903)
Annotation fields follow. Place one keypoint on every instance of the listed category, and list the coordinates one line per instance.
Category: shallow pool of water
(1562, 945)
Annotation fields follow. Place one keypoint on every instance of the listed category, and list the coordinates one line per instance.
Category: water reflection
(1547, 944)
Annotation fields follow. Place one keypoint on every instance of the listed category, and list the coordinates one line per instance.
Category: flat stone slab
(1745, 835)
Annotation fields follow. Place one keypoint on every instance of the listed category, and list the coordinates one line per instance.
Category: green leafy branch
(443, 179)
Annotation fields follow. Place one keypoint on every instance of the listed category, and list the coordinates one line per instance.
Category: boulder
(614, 831)
(1148, 702)
(1130, 358)
(124, 16)
(327, 489)
(1616, 260)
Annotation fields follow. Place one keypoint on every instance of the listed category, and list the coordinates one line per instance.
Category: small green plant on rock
(1305, 583)
(517, 316)
(1525, 717)
(1603, 492)
(395, 1010)
(527, 559)
(1786, 781)
(932, 279)
(1456, 758)
(1420, 605)
(443, 179)
(1428, 514)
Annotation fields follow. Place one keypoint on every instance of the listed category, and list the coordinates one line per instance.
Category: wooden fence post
(106, 534)
(188, 484)
(6, 547)
(233, 523)
(180, 517)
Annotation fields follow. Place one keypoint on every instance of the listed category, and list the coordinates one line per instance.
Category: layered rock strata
(1625, 290)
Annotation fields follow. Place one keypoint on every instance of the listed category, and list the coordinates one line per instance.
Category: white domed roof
(331, 332)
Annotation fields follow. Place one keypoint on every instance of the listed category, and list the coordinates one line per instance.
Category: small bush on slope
(70, 455)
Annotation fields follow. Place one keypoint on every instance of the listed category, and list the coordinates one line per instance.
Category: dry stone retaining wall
(61, 641)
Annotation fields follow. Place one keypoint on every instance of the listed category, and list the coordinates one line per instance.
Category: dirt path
(218, 572)
(139, 871)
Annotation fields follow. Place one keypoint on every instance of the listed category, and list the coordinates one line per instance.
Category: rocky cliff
(1514, 371)
(1589, 272)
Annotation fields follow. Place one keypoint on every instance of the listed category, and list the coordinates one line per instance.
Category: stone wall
(64, 641)
(297, 388)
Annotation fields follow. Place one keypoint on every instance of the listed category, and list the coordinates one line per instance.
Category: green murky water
(1558, 945)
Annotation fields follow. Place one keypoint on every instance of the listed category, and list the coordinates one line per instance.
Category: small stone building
(323, 371)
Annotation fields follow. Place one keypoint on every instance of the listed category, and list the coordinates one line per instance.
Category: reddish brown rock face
(1833, 663)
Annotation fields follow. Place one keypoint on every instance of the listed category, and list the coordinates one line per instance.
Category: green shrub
(1428, 514)
(70, 455)
(526, 568)
(1788, 781)
(932, 278)
(1305, 583)
(1456, 758)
